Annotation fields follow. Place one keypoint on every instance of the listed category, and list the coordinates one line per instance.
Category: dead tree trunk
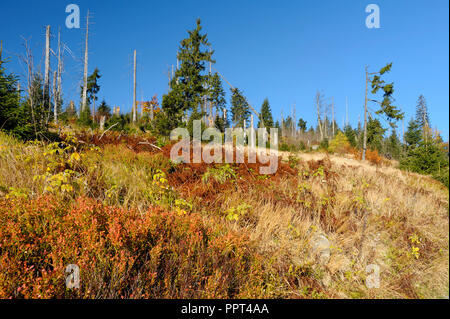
(46, 90)
(85, 74)
(134, 88)
(59, 71)
(55, 98)
(28, 59)
(93, 108)
(332, 114)
(318, 106)
(365, 118)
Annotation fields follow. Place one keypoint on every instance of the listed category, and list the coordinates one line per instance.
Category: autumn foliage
(371, 155)
(121, 253)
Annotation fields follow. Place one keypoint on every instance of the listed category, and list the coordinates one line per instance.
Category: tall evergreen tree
(413, 134)
(217, 93)
(391, 112)
(189, 86)
(375, 134)
(350, 134)
(240, 110)
(92, 86)
(422, 115)
(386, 108)
(265, 115)
(9, 99)
(393, 146)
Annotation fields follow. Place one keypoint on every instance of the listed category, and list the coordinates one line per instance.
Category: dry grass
(374, 216)
(369, 214)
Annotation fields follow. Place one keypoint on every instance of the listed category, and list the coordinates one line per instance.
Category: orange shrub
(371, 156)
(120, 253)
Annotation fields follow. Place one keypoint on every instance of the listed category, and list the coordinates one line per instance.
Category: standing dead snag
(28, 59)
(134, 89)
(365, 117)
(85, 74)
(46, 90)
(319, 108)
(58, 80)
(55, 98)
(332, 114)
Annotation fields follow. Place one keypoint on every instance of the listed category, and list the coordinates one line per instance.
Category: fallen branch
(147, 143)
(107, 130)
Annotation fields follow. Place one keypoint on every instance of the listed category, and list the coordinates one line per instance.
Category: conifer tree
(217, 93)
(375, 134)
(422, 116)
(104, 110)
(239, 108)
(9, 99)
(393, 146)
(189, 85)
(413, 134)
(350, 134)
(266, 115)
(390, 111)
(386, 108)
(92, 86)
(302, 125)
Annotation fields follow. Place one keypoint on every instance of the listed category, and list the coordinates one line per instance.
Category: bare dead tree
(294, 121)
(55, 97)
(59, 76)
(332, 114)
(134, 88)
(365, 116)
(85, 73)
(326, 111)
(28, 60)
(319, 107)
(46, 90)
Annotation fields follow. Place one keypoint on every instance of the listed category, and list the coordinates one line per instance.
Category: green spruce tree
(413, 134)
(375, 134)
(239, 108)
(350, 134)
(422, 116)
(9, 99)
(265, 115)
(188, 88)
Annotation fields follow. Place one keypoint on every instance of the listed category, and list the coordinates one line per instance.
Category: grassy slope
(370, 215)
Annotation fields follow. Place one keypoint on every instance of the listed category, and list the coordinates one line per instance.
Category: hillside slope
(320, 227)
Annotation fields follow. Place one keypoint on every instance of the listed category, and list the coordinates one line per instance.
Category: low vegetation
(140, 226)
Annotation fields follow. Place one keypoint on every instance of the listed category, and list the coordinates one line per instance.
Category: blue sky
(283, 50)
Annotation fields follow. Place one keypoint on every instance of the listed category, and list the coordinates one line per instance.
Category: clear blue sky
(283, 50)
